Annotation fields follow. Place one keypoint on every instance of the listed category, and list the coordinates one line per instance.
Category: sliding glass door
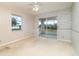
(48, 27)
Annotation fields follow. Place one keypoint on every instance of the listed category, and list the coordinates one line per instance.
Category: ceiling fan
(35, 6)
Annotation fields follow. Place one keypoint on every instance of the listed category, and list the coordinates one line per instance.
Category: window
(16, 22)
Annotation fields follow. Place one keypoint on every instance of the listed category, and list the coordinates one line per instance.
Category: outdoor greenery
(16, 23)
(53, 27)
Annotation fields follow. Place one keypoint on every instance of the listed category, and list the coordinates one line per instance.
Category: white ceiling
(44, 7)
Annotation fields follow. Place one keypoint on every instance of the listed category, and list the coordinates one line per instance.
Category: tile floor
(39, 47)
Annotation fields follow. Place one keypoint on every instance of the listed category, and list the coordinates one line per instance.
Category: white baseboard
(64, 40)
(12, 42)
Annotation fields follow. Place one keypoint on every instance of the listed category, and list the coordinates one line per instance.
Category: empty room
(39, 28)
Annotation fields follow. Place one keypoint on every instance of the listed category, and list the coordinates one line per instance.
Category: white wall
(75, 26)
(64, 23)
(6, 34)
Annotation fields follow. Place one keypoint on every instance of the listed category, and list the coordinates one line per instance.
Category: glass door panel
(48, 27)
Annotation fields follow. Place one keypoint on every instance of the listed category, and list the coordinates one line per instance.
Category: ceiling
(44, 7)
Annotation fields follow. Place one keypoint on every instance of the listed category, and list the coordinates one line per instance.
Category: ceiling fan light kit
(36, 7)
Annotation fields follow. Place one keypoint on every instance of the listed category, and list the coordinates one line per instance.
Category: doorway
(48, 27)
